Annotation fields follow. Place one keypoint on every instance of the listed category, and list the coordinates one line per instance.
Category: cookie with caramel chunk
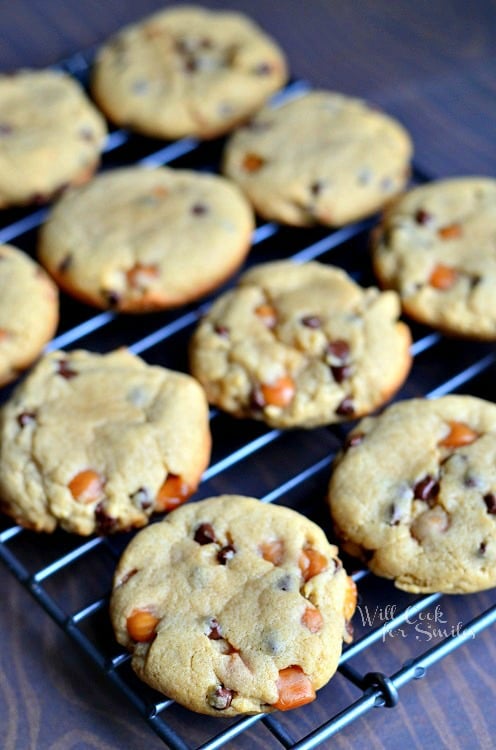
(29, 311)
(301, 345)
(414, 494)
(231, 606)
(323, 158)
(97, 443)
(187, 71)
(139, 240)
(435, 247)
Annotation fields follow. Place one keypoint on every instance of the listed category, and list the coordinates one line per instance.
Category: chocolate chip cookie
(301, 346)
(435, 246)
(231, 606)
(98, 442)
(138, 239)
(187, 71)
(51, 136)
(322, 158)
(29, 311)
(414, 494)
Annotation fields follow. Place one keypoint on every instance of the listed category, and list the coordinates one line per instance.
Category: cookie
(138, 239)
(414, 494)
(98, 442)
(301, 346)
(187, 71)
(51, 136)
(231, 606)
(435, 246)
(324, 158)
(29, 311)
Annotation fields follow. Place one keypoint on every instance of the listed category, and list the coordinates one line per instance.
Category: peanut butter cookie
(301, 346)
(322, 158)
(99, 442)
(187, 71)
(51, 136)
(138, 239)
(29, 311)
(414, 494)
(435, 246)
(231, 606)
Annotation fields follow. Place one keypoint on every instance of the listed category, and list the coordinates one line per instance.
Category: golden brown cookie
(301, 346)
(435, 247)
(99, 442)
(51, 136)
(138, 239)
(29, 311)
(231, 606)
(321, 158)
(414, 494)
(187, 71)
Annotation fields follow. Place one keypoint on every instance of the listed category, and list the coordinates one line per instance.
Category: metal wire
(376, 688)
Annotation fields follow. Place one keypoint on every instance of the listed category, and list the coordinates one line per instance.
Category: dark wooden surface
(432, 64)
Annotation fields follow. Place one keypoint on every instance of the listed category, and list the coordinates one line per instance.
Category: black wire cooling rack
(70, 577)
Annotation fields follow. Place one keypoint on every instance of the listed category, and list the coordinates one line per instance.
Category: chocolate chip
(141, 498)
(225, 554)
(112, 298)
(199, 209)
(222, 331)
(214, 632)
(205, 43)
(65, 264)
(105, 523)
(27, 417)
(125, 578)
(205, 534)
(482, 548)
(490, 500)
(190, 64)
(263, 69)
(346, 408)
(64, 369)
(422, 216)
(317, 187)
(285, 583)
(426, 489)
(257, 400)
(364, 176)
(353, 440)
(5, 128)
(220, 697)
(311, 321)
(341, 372)
(338, 350)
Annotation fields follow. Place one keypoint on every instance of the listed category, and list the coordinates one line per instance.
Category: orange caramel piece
(311, 563)
(459, 434)
(267, 314)
(294, 687)
(141, 625)
(273, 551)
(279, 393)
(252, 162)
(312, 619)
(140, 275)
(450, 231)
(87, 486)
(443, 277)
(350, 599)
(172, 493)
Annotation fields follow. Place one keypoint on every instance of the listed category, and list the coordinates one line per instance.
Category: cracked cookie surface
(138, 240)
(29, 311)
(51, 136)
(187, 71)
(321, 158)
(414, 494)
(301, 346)
(231, 606)
(435, 246)
(97, 443)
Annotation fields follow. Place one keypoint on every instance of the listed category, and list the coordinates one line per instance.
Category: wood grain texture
(431, 64)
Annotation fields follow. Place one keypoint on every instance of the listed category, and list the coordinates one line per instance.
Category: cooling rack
(400, 635)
